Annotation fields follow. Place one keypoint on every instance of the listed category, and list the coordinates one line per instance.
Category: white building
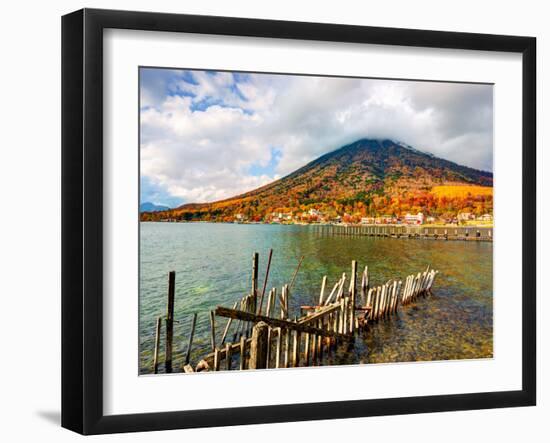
(314, 212)
(417, 219)
(486, 217)
(463, 216)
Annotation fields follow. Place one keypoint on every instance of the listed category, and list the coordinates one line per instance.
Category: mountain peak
(152, 207)
(372, 176)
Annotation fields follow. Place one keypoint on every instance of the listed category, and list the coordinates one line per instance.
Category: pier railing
(465, 233)
(269, 337)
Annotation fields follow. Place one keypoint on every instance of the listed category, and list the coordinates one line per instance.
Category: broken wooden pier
(271, 336)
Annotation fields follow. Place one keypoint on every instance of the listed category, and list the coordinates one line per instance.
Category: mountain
(365, 178)
(151, 207)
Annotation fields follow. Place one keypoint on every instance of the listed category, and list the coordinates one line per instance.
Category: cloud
(211, 135)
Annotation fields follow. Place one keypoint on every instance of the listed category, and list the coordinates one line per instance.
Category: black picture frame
(82, 220)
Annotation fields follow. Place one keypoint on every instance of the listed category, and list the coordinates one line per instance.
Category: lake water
(213, 267)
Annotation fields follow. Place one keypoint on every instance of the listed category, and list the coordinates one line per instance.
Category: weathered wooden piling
(296, 349)
(170, 321)
(278, 347)
(228, 352)
(212, 331)
(217, 359)
(255, 258)
(258, 346)
(228, 324)
(242, 362)
(296, 272)
(323, 285)
(157, 346)
(265, 281)
(191, 334)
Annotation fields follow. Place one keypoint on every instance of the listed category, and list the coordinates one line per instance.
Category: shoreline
(432, 232)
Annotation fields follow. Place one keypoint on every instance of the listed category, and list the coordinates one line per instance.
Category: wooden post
(228, 351)
(376, 303)
(353, 294)
(346, 315)
(284, 313)
(268, 348)
(314, 350)
(216, 359)
(157, 346)
(398, 295)
(341, 288)
(287, 348)
(296, 272)
(364, 286)
(368, 302)
(329, 298)
(170, 321)
(265, 281)
(296, 350)
(191, 334)
(254, 280)
(250, 302)
(287, 304)
(307, 349)
(320, 341)
(212, 331)
(341, 321)
(269, 301)
(273, 302)
(323, 285)
(229, 320)
(384, 300)
(278, 348)
(242, 364)
(258, 346)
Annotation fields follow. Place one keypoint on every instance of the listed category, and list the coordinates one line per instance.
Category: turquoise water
(213, 267)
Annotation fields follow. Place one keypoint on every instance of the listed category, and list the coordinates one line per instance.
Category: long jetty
(271, 336)
(464, 233)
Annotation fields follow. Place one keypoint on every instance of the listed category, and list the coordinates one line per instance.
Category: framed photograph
(269, 221)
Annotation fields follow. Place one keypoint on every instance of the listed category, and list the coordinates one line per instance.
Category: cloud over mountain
(210, 135)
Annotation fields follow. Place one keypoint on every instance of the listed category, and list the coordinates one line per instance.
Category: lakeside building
(417, 219)
(465, 216)
(367, 220)
(315, 212)
(280, 217)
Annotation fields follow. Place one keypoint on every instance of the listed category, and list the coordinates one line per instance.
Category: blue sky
(209, 135)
